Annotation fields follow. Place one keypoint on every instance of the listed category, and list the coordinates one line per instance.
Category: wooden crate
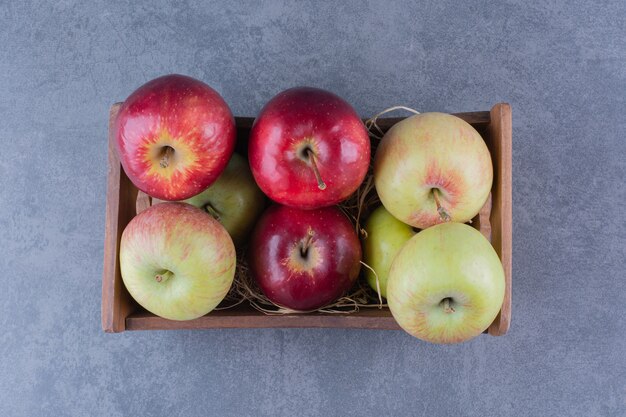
(120, 312)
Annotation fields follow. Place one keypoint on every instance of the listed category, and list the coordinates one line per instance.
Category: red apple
(175, 136)
(308, 148)
(304, 259)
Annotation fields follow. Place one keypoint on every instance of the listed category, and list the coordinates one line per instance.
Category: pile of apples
(308, 150)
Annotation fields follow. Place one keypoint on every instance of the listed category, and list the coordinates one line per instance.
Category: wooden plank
(483, 219)
(116, 302)
(367, 318)
(144, 201)
(477, 119)
(500, 133)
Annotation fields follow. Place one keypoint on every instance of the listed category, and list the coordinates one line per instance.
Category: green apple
(446, 285)
(385, 237)
(234, 199)
(433, 168)
(176, 261)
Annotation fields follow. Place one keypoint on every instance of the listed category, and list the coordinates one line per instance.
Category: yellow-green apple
(304, 259)
(174, 137)
(308, 148)
(446, 285)
(432, 168)
(234, 199)
(176, 261)
(385, 237)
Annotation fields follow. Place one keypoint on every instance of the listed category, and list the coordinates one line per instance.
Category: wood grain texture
(244, 317)
(117, 304)
(120, 312)
(483, 220)
(144, 201)
(500, 143)
(478, 119)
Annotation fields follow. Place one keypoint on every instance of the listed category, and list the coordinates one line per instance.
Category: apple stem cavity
(310, 155)
(164, 276)
(447, 308)
(443, 214)
(304, 248)
(168, 153)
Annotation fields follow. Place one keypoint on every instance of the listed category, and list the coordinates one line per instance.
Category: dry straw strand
(371, 122)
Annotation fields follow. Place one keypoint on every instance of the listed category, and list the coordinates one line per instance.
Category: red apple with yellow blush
(174, 137)
(433, 168)
(176, 261)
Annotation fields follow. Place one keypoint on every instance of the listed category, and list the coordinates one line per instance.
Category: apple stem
(168, 152)
(442, 211)
(311, 156)
(305, 246)
(446, 305)
(163, 276)
(211, 210)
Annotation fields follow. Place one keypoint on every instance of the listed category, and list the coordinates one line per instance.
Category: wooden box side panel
(244, 317)
(500, 134)
(121, 194)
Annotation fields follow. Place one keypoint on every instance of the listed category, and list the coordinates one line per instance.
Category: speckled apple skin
(183, 239)
(185, 114)
(449, 260)
(331, 268)
(432, 151)
(305, 116)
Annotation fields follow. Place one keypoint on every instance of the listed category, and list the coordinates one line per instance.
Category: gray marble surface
(561, 65)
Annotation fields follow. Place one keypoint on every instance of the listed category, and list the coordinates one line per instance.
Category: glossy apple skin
(176, 261)
(330, 267)
(186, 115)
(450, 260)
(308, 117)
(386, 235)
(234, 199)
(427, 153)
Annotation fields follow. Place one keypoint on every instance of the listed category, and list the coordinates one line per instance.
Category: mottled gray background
(562, 66)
